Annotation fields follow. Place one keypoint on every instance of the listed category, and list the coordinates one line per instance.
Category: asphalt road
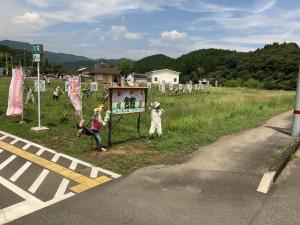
(215, 185)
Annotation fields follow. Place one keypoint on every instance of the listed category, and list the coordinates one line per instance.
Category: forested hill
(53, 58)
(273, 67)
(153, 62)
(18, 57)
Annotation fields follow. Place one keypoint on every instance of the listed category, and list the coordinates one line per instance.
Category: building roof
(104, 70)
(140, 76)
(82, 69)
(172, 71)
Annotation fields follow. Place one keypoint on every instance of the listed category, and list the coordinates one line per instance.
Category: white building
(169, 76)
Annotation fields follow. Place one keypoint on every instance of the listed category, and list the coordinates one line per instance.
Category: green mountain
(53, 58)
(274, 66)
(18, 57)
(153, 62)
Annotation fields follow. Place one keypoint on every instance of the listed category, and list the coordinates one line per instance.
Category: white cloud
(201, 6)
(173, 35)
(266, 7)
(32, 20)
(122, 32)
(169, 38)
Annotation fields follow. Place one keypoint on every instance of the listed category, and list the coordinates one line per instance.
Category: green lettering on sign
(37, 49)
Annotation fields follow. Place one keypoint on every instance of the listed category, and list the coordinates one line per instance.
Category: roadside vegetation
(190, 120)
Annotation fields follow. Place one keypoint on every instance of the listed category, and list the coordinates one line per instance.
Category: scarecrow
(96, 123)
(29, 95)
(156, 113)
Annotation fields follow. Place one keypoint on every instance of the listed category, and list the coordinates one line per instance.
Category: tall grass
(190, 120)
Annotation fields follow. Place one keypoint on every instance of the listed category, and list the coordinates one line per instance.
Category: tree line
(275, 66)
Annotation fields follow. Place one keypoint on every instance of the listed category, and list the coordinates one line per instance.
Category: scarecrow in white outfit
(156, 113)
(29, 95)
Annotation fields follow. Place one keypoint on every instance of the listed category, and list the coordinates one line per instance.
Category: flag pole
(22, 121)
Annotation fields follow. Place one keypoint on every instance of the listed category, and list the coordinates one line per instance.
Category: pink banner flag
(74, 94)
(15, 97)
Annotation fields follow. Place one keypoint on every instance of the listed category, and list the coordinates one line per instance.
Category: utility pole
(6, 63)
(24, 59)
(11, 61)
(296, 122)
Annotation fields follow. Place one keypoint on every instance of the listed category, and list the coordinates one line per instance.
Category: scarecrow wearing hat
(156, 113)
(96, 123)
(57, 93)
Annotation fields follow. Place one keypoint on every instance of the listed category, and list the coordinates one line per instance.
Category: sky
(140, 28)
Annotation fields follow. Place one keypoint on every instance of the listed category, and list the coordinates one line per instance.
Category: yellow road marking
(85, 183)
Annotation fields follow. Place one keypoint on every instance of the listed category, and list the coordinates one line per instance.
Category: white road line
(14, 141)
(55, 158)
(29, 143)
(26, 146)
(26, 207)
(94, 173)
(112, 174)
(73, 165)
(7, 161)
(12, 187)
(3, 137)
(38, 181)
(40, 151)
(20, 172)
(62, 188)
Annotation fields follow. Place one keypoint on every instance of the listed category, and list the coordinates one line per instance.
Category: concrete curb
(270, 177)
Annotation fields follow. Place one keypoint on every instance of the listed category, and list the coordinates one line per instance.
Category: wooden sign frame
(138, 123)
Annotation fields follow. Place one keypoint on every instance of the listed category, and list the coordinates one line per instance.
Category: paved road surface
(216, 185)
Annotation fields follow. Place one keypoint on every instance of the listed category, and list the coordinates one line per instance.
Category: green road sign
(37, 49)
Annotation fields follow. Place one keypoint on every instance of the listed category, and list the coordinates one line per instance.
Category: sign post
(126, 100)
(37, 53)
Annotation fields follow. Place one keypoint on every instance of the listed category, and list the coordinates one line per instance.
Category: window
(175, 80)
(155, 78)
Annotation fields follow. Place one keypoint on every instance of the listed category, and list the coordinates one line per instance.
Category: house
(167, 75)
(84, 73)
(105, 74)
(141, 78)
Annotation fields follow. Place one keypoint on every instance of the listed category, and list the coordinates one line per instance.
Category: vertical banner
(15, 96)
(74, 94)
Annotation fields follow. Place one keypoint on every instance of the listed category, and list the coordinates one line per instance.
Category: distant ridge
(53, 58)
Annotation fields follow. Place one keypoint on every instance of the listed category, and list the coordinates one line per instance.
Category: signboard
(37, 52)
(196, 86)
(94, 86)
(42, 86)
(127, 100)
(163, 86)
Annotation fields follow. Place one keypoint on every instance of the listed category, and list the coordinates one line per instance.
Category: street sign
(37, 49)
(36, 57)
(37, 52)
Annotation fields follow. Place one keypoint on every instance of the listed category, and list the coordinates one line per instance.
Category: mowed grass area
(190, 120)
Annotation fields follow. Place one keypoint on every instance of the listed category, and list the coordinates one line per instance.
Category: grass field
(190, 120)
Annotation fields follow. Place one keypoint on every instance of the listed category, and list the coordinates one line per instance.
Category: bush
(251, 83)
(233, 83)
